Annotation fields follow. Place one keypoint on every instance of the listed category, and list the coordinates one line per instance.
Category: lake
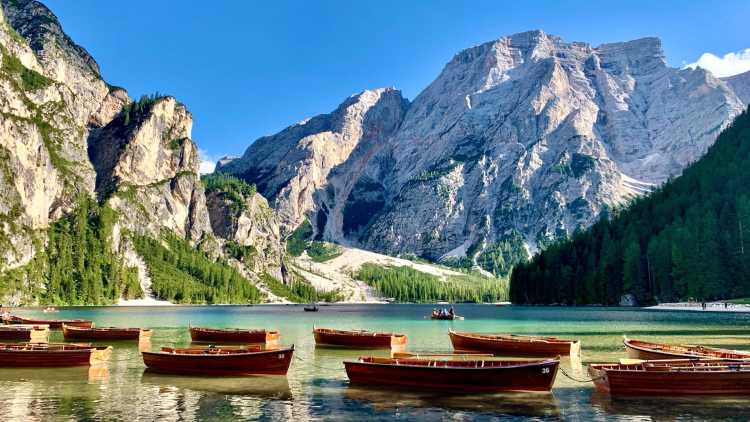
(316, 386)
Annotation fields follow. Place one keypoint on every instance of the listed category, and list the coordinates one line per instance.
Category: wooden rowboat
(104, 333)
(360, 339)
(644, 350)
(51, 355)
(446, 317)
(54, 324)
(232, 335)
(673, 377)
(30, 333)
(454, 375)
(312, 308)
(513, 345)
(219, 361)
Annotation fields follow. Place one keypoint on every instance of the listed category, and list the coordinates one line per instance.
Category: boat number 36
(545, 370)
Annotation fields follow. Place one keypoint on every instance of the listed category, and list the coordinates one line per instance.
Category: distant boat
(219, 361)
(49, 309)
(513, 345)
(446, 316)
(51, 355)
(454, 375)
(233, 335)
(672, 377)
(358, 339)
(645, 350)
(30, 333)
(52, 323)
(104, 333)
(311, 308)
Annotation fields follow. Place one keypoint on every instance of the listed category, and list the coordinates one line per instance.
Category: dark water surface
(316, 387)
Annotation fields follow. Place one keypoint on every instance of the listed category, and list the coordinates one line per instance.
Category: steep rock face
(534, 135)
(251, 223)
(42, 141)
(290, 167)
(525, 137)
(741, 86)
(147, 164)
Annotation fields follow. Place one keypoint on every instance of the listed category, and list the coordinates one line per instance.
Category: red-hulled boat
(455, 375)
(219, 361)
(54, 324)
(359, 339)
(104, 333)
(673, 377)
(233, 335)
(645, 350)
(513, 345)
(51, 355)
(30, 333)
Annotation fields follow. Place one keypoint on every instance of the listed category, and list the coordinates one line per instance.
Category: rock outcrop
(741, 86)
(525, 137)
(249, 222)
(319, 154)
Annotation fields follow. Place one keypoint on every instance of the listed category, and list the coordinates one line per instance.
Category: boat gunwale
(360, 333)
(240, 353)
(684, 350)
(522, 364)
(513, 338)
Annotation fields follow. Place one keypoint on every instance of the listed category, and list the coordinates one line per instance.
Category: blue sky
(249, 68)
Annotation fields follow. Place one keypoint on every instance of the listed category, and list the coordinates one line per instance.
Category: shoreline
(696, 307)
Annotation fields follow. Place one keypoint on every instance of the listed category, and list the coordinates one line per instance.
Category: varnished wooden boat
(232, 335)
(454, 375)
(359, 339)
(30, 333)
(645, 350)
(513, 345)
(219, 361)
(673, 377)
(54, 324)
(104, 333)
(51, 355)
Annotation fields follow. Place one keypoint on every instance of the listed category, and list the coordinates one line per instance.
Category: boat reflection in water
(660, 407)
(94, 373)
(533, 405)
(267, 386)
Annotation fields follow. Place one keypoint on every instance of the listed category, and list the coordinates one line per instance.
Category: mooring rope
(578, 379)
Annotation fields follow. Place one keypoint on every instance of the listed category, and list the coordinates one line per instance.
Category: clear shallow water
(316, 387)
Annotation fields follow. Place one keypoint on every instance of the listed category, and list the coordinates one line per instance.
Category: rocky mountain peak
(741, 86)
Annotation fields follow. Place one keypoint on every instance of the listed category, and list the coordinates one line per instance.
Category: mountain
(686, 240)
(741, 85)
(518, 142)
(102, 196)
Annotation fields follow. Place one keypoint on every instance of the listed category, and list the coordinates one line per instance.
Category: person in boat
(451, 312)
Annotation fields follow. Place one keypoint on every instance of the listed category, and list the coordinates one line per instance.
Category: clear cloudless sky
(250, 68)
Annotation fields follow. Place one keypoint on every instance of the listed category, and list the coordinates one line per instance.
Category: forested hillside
(688, 239)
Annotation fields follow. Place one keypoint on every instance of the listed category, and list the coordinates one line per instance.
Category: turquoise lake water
(316, 386)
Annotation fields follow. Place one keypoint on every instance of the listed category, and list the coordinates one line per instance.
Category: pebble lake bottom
(316, 387)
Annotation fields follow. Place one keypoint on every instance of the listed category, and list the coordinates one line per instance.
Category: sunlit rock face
(526, 135)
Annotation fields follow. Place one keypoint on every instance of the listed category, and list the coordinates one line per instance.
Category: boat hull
(34, 334)
(42, 358)
(537, 377)
(209, 335)
(103, 334)
(637, 349)
(625, 382)
(53, 324)
(358, 340)
(270, 362)
(512, 346)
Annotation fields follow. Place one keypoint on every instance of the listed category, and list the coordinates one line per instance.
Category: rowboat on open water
(51, 355)
(54, 324)
(220, 361)
(29, 333)
(454, 375)
(645, 350)
(104, 333)
(233, 335)
(360, 339)
(513, 345)
(673, 377)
